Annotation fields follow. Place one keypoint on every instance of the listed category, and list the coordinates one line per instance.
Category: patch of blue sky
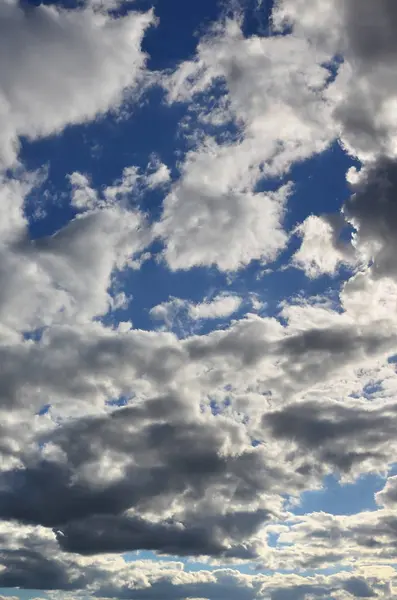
(217, 408)
(257, 15)
(336, 498)
(154, 283)
(119, 402)
(181, 24)
(189, 563)
(24, 594)
(272, 539)
(319, 184)
(372, 390)
(44, 410)
(150, 129)
(34, 335)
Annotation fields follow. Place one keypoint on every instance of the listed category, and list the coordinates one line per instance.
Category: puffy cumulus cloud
(209, 536)
(359, 37)
(321, 252)
(364, 91)
(114, 577)
(68, 274)
(81, 258)
(181, 442)
(232, 584)
(220, 306)
(148, 476)
(168, 311)
(274, 87)
(88, 362)
(211, 218)
(388, 495)
(365, 541)
(164, 473)
(132, 184)
(338, 435)
(99, 361)
(33, 559)
(273, 90)
(371, 211)
(229, 583)
(182, 312)
(65, 67)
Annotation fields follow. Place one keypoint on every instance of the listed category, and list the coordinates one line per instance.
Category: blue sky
(198, 300)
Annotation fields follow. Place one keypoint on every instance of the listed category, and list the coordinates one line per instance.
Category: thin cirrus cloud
(187, 348)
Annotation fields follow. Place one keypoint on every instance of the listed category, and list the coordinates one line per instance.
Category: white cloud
(128, 189)
(64, 67)
(67, 275)
(214, 214)
(364, 92)
(219, 307)
(274, 89)
(211, 218)
(320, 251)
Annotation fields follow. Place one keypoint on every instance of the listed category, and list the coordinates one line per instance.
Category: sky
(198, 299)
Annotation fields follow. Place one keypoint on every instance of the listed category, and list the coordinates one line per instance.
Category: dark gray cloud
(27, 568)
(122, 533)
(166, 590)
(105, 533)
(316, 354)
(75, 362)
(371, 29)
(367, 40)
(161, 462)
(335, 434)
(373, 210)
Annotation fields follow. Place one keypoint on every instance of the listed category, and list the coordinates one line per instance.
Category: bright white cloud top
(198, 300)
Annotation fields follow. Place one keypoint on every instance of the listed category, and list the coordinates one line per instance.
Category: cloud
(364, 90)
(172, 469)
(272, 90)
(219, 307)
(65, 67)
(209, 536)
(67, 275)
(387, 497)
(116, 439)
(372, 210)
(321, 252)
(218, 223)
(111, 576)
(328, 431)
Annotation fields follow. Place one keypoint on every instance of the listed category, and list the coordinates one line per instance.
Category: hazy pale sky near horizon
(198, 299)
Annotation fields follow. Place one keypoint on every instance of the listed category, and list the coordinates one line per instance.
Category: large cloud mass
(198, 438)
